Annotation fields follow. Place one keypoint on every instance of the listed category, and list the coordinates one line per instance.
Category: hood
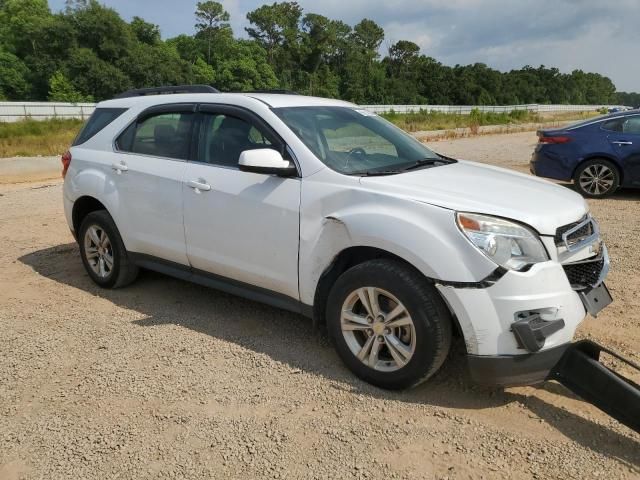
(473, 187)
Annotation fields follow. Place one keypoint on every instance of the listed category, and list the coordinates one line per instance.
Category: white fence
(466, 109)
(14, 111)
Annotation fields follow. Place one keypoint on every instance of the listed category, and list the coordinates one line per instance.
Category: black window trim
(250, 117)
(119, 110)
(158, 110)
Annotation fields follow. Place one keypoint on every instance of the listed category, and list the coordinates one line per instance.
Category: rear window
(100, 118)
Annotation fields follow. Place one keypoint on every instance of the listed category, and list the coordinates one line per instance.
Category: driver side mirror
(267, 161)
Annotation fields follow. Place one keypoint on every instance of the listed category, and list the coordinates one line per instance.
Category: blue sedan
(598, 155)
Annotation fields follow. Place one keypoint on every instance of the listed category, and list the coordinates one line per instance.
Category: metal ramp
(580, 370)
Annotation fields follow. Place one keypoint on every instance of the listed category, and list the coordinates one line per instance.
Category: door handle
(199, 185)
(622, 143)
(119, 167)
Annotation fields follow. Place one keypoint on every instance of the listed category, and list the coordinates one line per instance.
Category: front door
(240, 225)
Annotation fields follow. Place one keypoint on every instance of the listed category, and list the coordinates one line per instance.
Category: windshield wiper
(424, 162)
(375, 173)
(417, 164)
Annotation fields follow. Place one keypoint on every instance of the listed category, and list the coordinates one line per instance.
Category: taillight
(557, 139)
(66, 161)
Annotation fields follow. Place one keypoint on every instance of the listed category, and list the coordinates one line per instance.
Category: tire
(118, 272)
(426, 337)
(603, 175)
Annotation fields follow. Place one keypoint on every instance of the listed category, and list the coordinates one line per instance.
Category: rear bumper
(514, 370)
(550, 165)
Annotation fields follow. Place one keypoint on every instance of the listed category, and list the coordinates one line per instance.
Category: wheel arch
(350, 257)
(82, 207)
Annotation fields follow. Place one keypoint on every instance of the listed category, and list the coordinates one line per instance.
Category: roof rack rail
(170, 89)
(279, 91)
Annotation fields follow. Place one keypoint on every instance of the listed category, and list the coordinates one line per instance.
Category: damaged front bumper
(518, 328)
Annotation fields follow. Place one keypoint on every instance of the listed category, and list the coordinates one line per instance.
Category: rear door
(240, 225)
(151, 159)
(624, 137)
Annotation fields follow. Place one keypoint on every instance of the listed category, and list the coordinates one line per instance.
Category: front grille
(582, 275)
(575, 237)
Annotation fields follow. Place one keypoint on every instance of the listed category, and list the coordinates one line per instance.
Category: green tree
(103, 31)
(244, 67)
(90, 74)
(202, 73)
(145, 32)
(363, 77)
(188, 47)
(21, 23)
(276, 29)
(97, 53)
(71, 6)
(13, 77)
(211, 19)
(62, 90)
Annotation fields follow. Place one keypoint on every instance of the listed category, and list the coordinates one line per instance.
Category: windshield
(356, 142)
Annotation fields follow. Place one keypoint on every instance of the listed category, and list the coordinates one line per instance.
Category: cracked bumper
(486, 315)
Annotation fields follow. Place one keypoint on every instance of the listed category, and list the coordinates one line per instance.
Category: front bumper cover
(514, 370)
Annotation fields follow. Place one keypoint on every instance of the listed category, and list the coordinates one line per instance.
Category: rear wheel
(597, 178)
(389, 325)
(103, 253)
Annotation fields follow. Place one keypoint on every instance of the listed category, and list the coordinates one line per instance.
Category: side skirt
(224, 284)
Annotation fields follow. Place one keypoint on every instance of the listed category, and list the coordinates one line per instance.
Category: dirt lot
(165, 379)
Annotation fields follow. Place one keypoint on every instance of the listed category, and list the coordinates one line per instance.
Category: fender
(424, 235)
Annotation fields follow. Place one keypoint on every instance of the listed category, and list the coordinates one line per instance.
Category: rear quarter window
(100, 118)
(614, 125)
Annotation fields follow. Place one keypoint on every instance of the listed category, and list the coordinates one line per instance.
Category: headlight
(508, 244)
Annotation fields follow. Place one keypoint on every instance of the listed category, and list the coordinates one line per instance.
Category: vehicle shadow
(165, 300)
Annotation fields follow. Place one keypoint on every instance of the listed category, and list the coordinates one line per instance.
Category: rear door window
(100, 118)
(632, 125)
(166, 134)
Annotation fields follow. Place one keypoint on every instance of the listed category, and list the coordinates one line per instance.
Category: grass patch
(430, 120)
(30, 138)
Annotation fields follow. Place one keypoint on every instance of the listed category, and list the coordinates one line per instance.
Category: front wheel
(596, 178)
(388, 323)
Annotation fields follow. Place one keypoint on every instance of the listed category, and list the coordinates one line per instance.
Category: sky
(592, 35)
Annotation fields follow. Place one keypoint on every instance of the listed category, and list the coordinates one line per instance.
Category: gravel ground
(165, 379)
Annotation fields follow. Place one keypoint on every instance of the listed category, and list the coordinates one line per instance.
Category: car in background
(599, 155)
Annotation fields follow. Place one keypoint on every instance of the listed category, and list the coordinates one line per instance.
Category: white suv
(323, 208)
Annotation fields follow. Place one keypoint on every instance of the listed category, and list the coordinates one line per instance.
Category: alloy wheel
(98, 251)
(597, 179)
(378, 329)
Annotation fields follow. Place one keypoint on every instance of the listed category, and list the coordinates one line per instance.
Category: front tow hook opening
(581, 371)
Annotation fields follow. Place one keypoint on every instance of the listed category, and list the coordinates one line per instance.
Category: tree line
(87, 52)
